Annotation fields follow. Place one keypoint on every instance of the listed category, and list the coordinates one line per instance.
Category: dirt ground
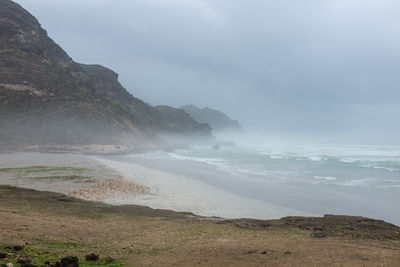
(141, 236)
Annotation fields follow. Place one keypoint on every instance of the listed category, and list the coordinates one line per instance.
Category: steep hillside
(48, 99)
(216, 119)
(180, 121)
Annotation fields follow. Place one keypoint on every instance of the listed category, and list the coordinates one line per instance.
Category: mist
(314, 71)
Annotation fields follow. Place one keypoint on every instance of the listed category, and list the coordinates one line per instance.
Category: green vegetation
(276, 223)
(65, 178)
(187, 213)
(53, 173)
(59, 244)
(33, 169)
(42, 258)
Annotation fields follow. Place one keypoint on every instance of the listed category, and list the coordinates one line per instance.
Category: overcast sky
(326, 68)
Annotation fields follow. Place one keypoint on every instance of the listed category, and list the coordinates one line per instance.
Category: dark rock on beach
(92, 257)
(18, 247)
(68, 261)
(25, 264)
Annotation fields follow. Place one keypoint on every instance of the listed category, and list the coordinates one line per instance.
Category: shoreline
(185, 194)
(117, 183)
(190, 188)
(58, 225)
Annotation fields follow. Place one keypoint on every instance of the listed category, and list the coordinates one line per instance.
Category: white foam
(385, 168)
(348, 160)
(291, 165)
(359, 182)
(315, 158)
(380, 168)
(328, 178)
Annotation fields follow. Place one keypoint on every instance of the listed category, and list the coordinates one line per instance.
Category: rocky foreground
(55, 226)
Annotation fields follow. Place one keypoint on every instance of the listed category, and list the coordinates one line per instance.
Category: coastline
(186, 194)
(119, 183)
(55, 225)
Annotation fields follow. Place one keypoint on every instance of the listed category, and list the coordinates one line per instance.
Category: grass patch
(276, 223)
(65, 178)
(294, 232)
(40, 258)
(59, 244)
(187, 213)
(33, 169)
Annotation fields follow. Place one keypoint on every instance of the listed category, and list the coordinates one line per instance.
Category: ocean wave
(315, 158)
(220, 164)
(359, 182)
(327, 178)
(386, 168)
(290, 167)
(276, 157)
(380, 168)
(348, 160)
(352, 153)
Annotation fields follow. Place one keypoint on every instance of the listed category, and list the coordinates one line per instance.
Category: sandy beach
(115, 182)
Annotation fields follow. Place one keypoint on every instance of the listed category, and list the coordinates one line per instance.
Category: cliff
(48, 99)
(216, 119)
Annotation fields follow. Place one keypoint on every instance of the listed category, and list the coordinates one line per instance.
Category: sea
(356, 180)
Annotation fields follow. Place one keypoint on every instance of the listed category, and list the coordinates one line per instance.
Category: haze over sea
(317, 179)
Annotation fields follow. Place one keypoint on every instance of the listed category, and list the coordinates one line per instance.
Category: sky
(324, 71)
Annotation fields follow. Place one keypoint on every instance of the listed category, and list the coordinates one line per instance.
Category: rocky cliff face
(216, 119)
(47, 98)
